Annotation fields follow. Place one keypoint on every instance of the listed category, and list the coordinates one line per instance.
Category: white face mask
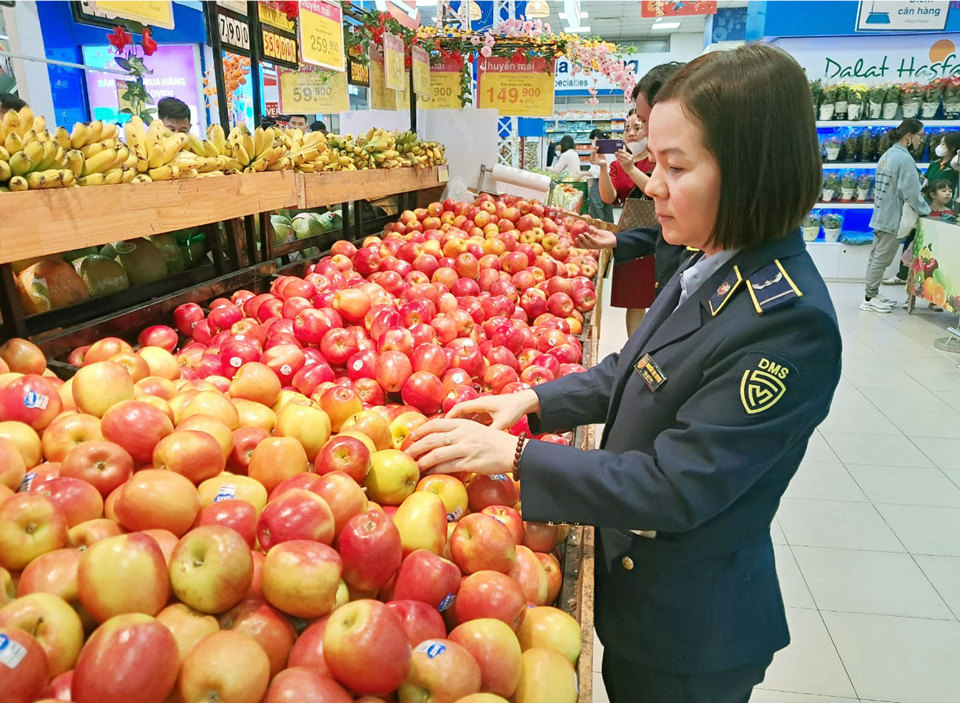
(637, 147)
(941, 150)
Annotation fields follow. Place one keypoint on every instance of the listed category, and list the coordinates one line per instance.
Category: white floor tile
(829, 523)
(941, 382)
(916, 396)
(869, 582)
(907, 660)
(776, 534)
(597, 652)
(945, 453)
(824, 481)
(878, 450)
(867, 420)
(906, 486)
(950, 398)
(923, 529)
(811, 663)
(864, 377)
(599, 692)
(761, 695)
(819, 450)
(792, 586)
(918, 423)
(944, 574)
(848, 397)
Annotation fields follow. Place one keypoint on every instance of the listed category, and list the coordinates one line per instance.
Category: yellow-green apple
(480, 543)
(495, 648)
(450, 490)
(344, 453)
(238, 515)
(105, 348)
(307, 651)
(224, 666)
(137, 427)
(155, 386)
(426, 577)
(369, 546)
(367, 442)
(551, 628)
(372, 425)
(194, 455)
(403, 425)
(440, 670)
(546, 677)
(422, 522)
(99, 386)
(101, 464)
(541, 537)
(129, 658)
(65, 433)
(229, 486)
(213, 427)
(420, 621)
(24, 682)
(8, 590)
(255, 415)
(187, 625)
(76, 499)
(22, 356)
(123, 574)
(30, 525)
(303, 685)
(339, 403)
(509, 517)
(244, 440)
(26, 440)
(212, 403)
(30, 399)
(393, 476)
(271, 629)
(301, 578)
(362, 632)
(211, 569)
(483, 698)
(295, 515)
(12, 466)
(276, 459)
(530, 575)
(158, 403)
(256, 382)
(153, 498)
(490, 594)
(498, 489)
(135, 365)
(160, 362)
(309, 426)
(54, 624)
(344, 496)
(86, 533)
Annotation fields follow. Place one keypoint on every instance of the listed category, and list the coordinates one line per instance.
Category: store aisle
(866, 538)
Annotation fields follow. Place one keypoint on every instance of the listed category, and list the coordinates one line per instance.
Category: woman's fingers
(452, 455)
(432, 427)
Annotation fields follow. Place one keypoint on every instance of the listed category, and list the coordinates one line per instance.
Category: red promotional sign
(659, 8)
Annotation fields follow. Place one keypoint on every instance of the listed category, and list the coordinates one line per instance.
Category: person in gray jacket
(897, 184)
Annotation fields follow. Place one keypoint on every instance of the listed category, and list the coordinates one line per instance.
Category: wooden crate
(331, 188)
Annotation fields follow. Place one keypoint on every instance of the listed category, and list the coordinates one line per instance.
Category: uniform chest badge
(650, 371)
(723, 289)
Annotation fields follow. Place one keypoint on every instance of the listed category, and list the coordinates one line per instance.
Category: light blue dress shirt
(693, 277)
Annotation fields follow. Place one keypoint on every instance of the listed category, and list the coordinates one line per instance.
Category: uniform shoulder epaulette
(725, 291)
(771, 286)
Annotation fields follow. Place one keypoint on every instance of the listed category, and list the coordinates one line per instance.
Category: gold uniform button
(627, 563)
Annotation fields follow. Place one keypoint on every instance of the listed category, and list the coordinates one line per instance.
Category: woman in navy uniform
(708, 407)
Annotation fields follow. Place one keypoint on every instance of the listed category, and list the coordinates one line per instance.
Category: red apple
(495, 648)
(30, 525)
(481, 543)
(295, 515)
(426, 577)
(346, 454)
(301, 577)
(370, 547)
(24, 678)
(270, 628)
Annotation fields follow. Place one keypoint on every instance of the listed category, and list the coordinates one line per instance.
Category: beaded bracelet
(521, 441)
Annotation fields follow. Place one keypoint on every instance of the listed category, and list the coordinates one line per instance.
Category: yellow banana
(282, 164)
(13, 142)
(163, 173)
(49, 158)
(188, 173)
(259, 165)
(5, 172)
(247, 142)
(128, 175)
(171, 145)
(20, 164)
(110, 131)
(11, 122)
(216, 137)
(195, 145)
(39, 124)
(101, 162)
(109, 143)
(155, 158)
(232, 165)
(113, 176)
(142, 165)
(94, 129)
(34, 150)
(26, 120)
(241, 154)
(155, 131)
(131, 161)
(3, 132)
(44, 179)
(17, 183)
(258, 141)
(75, 161)
(78, 137)
(94, 179)
(134, 132)
(91, 150)
(4, 154)
(62, 137)
(123, 153)
(69, 180)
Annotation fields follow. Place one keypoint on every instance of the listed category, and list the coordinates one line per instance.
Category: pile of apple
(237, 520)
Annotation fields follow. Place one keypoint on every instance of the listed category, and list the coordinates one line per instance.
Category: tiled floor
(867, 539)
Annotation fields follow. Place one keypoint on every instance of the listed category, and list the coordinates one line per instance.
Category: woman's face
(685, 184)
(943, 196)
(632, 129)
(915, 140)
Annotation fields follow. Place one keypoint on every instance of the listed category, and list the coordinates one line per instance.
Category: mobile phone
(609, 146)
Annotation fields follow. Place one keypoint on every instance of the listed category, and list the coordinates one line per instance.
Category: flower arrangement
(856, 96)
(951, 97)
(831, 184)
(128, 59)
(851, 145)
(832, 221)
(868, 146)
(875, 98)
(891, 101)
(832, 147)
(828, 103)
(864, 185)
(816, 93)
(911, 94)
(848, 180)
(810, 227)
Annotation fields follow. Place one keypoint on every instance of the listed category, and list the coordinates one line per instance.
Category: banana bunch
(381, 145)
(413, 152)
(308, 152)
(30, 158)
(264, 150)
(346, 155)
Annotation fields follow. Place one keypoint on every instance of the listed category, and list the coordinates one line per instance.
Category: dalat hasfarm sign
(869, 60)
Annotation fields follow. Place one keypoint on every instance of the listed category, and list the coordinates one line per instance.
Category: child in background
(939, 194)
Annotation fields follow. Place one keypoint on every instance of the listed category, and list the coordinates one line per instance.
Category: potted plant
(891, 101)
(828, 104)
(840, 107)
(810, 227)
(875, 101)
(864, 184)
(868, 146)
(932, 95)
(856, 94)
(832, 224)
(951, 97)
(911, 94)
(830, 186)
(832, 146)
(848, 184)
(816, 93)
(851, 146)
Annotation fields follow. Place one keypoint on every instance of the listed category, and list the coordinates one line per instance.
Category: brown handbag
(637, 212)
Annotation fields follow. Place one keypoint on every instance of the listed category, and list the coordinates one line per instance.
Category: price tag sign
(421, 71)
(403, 96)
(278, 48)
(381, 97)
(393, 61)
(234, 32)
(516, 88)
(321, 34)
(444, 91)
(157, 13)
(311, 92)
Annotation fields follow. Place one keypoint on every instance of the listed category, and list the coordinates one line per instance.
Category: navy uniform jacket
(740, 375)
(643, 241)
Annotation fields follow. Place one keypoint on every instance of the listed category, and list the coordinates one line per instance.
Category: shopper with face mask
(631, 167)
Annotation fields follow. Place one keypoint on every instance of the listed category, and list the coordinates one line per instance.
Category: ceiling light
(537, 8)
(475, 12)
(576, 30)
(665, 25)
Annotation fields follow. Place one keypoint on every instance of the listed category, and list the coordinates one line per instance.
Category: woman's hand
(598, 239)
(626, 161)
(450, 446)
(501, 412)
(597, 159)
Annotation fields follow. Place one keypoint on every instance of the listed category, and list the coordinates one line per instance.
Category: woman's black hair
(935, 185)
(908, 126)
(599, 134)
(650, 84)
(567, 143)
(952, 141)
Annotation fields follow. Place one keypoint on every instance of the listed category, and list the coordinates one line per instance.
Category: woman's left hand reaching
(450, 446)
